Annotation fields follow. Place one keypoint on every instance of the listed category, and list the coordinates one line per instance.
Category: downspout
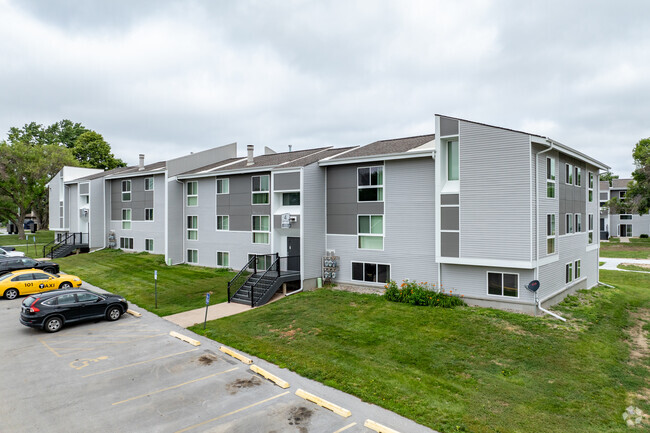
(539, 305)
(294, 292)
(438, 265)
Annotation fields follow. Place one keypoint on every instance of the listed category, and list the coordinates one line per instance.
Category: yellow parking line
(173, 387)
(48, 346)
(138, 363)
(346, 427)
(232, 413)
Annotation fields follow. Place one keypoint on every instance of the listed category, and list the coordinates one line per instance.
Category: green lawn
(463, 369)
(635, 249)
(180, 287)
(42, 238)
(633, 268)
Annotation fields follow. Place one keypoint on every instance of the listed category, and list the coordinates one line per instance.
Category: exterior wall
(66, 208)
(640, 224)
(55, 196)
(313, 241)
(409, 231)
(238, 203)
(175, 224)
(286, 181)
(97, 220)
(572, 198)
(201, 159)
(140, 199)
(547, 206)
(73, 208)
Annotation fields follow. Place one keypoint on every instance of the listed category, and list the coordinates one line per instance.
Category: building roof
(603, 185)
(620, 183)
(315, 157)
(387, 147)
(134, 170)
(99, 175)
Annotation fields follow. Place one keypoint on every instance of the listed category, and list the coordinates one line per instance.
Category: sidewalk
(611, 264)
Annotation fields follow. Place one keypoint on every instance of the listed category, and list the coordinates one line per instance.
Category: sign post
(207, 302)
(155, 285)
(34, 245)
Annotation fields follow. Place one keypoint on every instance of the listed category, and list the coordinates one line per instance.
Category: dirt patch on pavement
(235, 386)
(207, 358)
(299, 416)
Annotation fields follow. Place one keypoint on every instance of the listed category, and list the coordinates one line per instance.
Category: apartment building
(616, 224)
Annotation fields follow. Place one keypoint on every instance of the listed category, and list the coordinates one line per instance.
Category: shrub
(643, 236)
(414, 293)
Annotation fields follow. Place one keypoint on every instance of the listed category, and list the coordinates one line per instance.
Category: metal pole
(155, 285)
(207, 303)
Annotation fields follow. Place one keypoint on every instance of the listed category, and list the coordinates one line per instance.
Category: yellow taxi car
(28, 281)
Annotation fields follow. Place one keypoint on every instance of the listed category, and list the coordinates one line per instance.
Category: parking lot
(132, 376)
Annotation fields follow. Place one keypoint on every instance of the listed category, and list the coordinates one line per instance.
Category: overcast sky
(166, 78)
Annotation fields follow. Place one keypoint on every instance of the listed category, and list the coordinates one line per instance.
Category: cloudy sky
(168, 77)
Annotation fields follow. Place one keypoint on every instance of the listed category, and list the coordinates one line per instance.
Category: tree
(608, 177)
(91, 150)
(25, 168)
(638, 193)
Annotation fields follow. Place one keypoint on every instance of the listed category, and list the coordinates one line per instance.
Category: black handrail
(253, 261)
(274, 264)
(62, 242)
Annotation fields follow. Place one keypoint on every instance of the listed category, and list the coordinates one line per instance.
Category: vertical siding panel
(313, 220)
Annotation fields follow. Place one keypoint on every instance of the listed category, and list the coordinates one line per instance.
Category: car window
(22, 277)
(86, 297)
(29, 262)
(50, 301)
(66, 299)
(29, 300)
(41, 276)
(5, 276)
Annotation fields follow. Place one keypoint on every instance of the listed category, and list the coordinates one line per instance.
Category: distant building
(619, 225)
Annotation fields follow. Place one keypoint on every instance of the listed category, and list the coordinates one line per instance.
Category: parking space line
(55, 350)
(48, 346)
(139, 363)
(346, 427)
(174, 386)
(231, 413)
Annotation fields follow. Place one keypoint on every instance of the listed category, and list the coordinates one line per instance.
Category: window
(625, 217)
(192, 227)
(569, 272)
(192, 256)
(65, 299)
(261, 229)
(370, 181)
(260, 188)
(84, 199)
(126, 243)
(569, 223)
(568, 174)
(502, 284)
(452, 160)
(371, 232)
(550, 233)
(148, 183)
(148, 244)
(148, 214)
(591, 187)
(578, 225)
(576, 269)
(193, 193)
(550, 177)
(223, 186)
(262, 261)
(370, 272)
(291, 199)
(590, 227)
(578, 176)
(223, 259)
(87, 297)
(222, 222)
(126, 190)
(126, 219)
(621, 195)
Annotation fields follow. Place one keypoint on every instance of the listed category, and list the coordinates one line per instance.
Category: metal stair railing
(77, 238)
(278, 268)
(240, 277)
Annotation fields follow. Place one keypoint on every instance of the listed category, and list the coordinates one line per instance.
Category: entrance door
(293, 251)
(625, 230)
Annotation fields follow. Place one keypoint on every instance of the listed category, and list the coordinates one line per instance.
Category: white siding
(313, 220)
(471, 281)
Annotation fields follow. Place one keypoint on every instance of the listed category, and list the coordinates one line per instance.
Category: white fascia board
(161, 170)
(518, 264)
(569, 151)
(374, 158)
(287, 170)
(226, 172)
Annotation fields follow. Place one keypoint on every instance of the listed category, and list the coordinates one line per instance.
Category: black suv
(51, 310)
(8, 264)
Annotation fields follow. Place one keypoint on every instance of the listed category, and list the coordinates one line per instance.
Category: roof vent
(141, 163)
(250, 148)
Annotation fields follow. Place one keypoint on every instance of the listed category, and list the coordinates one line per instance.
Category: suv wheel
(113, 313)
(53, 324)
(11, 294)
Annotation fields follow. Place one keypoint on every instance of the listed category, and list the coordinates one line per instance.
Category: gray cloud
(169, 77)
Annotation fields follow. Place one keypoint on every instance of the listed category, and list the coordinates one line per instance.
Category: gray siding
(448, 126)
(97, 214)
(286, 181)
(546, 205)
(238, 204)
(342, 205)
(176, 232)
(572, 198)
(54, 199)
(494, 196)
(73, 207)
(471, 281)
(277, 221)
(409, 226)
(313, 242)
(201, 159)
(140, 199)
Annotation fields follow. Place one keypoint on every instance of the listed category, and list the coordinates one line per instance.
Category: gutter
(294, 292)
(539, 305)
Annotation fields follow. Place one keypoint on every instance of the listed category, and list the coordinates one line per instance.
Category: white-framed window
(261, 229)
(148, 245)
(578, 225)
(148, 183)
(126, 219)
(578, 176)
(290, 199)
(223, 186)
(550, 177)
(262, 262)
(590, 226)
(453, 160)
(370, 183)
(223, 259)
(193, 193)
(126, 190)
(84, 199)
(370, 230)
(148, 214)
(591, 187)
(370, 272)
(260, 186)
(192, 227)
(192, 256)
(550, 233)
(569, 223)
(126, 243)
(576, 269)
(568, 174)
(503, 284)
(569, 272)
(223, 222)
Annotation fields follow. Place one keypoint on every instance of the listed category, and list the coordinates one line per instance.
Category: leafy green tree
(25, 168)
(638, 193)
(608, 177)
(91, 150)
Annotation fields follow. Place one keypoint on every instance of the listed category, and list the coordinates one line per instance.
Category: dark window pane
(364, 176)
(357, 271)
(510, 285)
(368, 194)
(66, 299)
(256, 183)
(383, 273)
(291, 199)
(494, 283)
(370, 270)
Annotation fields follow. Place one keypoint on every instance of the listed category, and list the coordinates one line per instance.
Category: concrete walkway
(612, 264)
